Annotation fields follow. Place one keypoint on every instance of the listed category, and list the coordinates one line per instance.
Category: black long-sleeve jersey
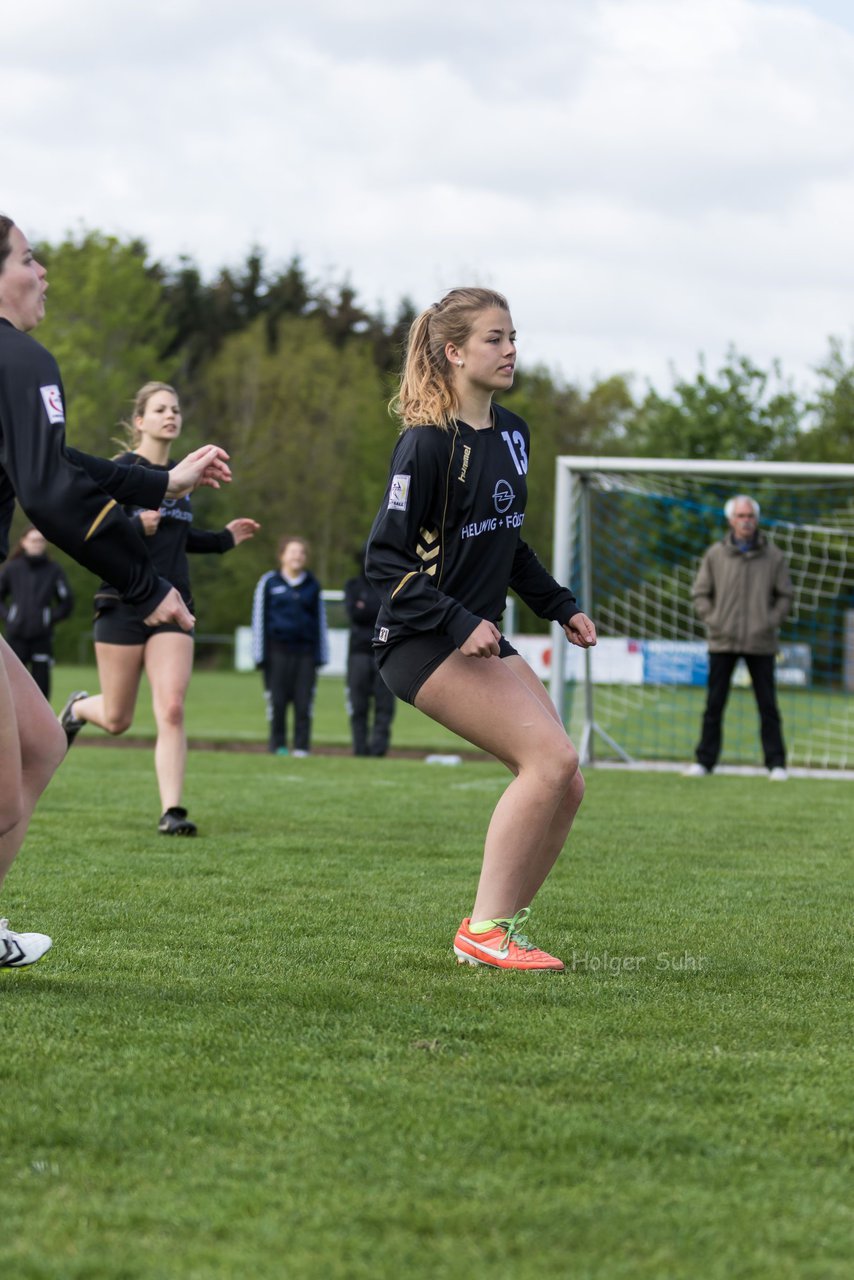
(71, 497)
(173, 538)
(447, 543)
(38, 596)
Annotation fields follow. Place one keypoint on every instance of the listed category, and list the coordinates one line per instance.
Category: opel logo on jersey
(503, 496)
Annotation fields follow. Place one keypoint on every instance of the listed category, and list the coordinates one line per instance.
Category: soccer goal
(629, 535)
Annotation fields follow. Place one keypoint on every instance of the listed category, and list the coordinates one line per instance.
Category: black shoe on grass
(68, 720)
(176, 823)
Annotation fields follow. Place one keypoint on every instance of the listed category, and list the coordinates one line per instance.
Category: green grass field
(228, 707)
(663, 723)
(650, 723)
(251, 1054)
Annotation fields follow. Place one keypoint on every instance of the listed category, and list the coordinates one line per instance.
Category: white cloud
(645, 179)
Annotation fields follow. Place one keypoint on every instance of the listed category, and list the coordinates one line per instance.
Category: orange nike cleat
(504, 947)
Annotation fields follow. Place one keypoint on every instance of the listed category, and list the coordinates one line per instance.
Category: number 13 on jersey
(516, 444)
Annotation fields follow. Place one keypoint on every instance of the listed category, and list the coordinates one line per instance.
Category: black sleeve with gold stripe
(70, 507)
(130, 486)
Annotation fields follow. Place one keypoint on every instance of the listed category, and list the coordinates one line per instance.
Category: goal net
(629, 537)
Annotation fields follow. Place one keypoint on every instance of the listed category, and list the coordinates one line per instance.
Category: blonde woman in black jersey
(444, 548)
(124, 645)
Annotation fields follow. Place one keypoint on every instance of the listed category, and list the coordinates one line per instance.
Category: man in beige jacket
(742, 592)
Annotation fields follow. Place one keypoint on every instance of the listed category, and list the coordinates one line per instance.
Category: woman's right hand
(149, 521)
(483, 641)
(171, 609)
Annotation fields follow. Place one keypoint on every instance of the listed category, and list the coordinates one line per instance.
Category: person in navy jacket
(289, 643)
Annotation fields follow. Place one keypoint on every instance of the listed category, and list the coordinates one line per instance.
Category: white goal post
(628, 537)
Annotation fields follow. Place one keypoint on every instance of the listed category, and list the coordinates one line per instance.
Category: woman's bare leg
(498, 707)
(564, 816)
(169, 665)
(32, 746)
(119, 671)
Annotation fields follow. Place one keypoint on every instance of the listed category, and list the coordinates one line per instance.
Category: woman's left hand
(580, 631)
(242, 528)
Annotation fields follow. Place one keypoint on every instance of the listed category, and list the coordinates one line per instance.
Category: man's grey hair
(741, 497)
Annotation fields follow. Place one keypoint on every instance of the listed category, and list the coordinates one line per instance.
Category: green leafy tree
(108, 327)
(829, 436)
(309, 438)
(203, 314)
(389, 340)
(742, 412)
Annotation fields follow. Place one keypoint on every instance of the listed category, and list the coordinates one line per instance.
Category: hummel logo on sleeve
(52, 399)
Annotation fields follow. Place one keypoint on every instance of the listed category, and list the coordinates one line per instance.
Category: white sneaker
(300, 755)
(778, 774)
(19, 949)
(696, 770)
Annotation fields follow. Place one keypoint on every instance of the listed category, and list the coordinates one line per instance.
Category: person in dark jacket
(34, 597)
(124, 647)
(74, 499)
(742, 592)
(289, 643)
(444, 548)
(367, 692)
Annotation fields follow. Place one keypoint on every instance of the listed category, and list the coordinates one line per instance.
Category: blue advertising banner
(675, 662)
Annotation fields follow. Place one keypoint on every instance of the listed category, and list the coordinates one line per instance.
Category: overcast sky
(646, 180)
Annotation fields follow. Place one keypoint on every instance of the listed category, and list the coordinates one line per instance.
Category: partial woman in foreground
(74, 499)
(445, 547)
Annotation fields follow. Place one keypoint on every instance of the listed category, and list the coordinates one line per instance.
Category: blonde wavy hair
(427, 395)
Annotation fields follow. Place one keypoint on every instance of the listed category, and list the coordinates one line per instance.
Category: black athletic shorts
(122, 624)
(405, 666)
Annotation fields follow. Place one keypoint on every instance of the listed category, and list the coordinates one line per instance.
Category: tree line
(293, 377)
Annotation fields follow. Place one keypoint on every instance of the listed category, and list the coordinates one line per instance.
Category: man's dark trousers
(761, 668)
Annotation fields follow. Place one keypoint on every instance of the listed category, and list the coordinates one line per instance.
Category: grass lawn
(228, 706)
(251, 1054)
(654, 722)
